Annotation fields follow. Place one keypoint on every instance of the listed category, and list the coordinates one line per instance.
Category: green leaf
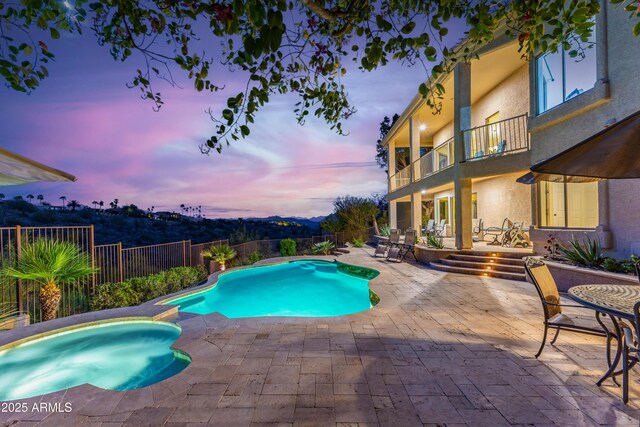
(55, 34)
(244, 130)
(409, 26)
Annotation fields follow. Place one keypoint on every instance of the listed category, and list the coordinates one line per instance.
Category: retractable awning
(16, 169)
(613, 153)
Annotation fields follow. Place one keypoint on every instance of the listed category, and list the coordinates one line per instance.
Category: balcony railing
(496, 139)
(434, 161)
(401, 178)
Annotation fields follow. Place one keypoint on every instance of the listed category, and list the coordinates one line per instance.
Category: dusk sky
(85, 121)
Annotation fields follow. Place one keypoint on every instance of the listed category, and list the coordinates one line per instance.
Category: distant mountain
(313, 222)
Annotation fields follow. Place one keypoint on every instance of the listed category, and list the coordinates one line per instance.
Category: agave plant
(220, 254)
(50, 263)
(385, 230)
(585, 252)
(434, 241)
(323, 248)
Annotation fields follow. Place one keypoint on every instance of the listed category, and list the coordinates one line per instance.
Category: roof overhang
(16, 169)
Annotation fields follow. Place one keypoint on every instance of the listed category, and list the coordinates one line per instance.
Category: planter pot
(568, 276)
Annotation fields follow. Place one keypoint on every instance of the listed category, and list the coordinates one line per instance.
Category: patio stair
(504, 265)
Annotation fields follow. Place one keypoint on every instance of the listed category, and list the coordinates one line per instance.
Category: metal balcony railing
(434, 161)
(400, 179)
(496, 139)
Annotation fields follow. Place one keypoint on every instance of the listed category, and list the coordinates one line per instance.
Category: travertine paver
(439, 349)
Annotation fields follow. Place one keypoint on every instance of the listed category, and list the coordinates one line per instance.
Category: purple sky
(85, 121)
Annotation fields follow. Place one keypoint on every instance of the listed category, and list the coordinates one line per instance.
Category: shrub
(287, 247)
(613, 265)
(434, 241)
(586, 252)
(254, 257)
(323, 248)
(220, 254)
(357, 242)
(137, 290)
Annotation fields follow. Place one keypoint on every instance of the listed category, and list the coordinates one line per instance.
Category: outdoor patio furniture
(554, 318)
(631, 349)
(637, 267)
(384, 244)
(440, 228)
(400, 251)
(477, 229)
(498, 232)
(429, 228)
(515, 236)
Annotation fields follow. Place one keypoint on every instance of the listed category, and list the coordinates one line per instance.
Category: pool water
(300, 288)
(116, 356)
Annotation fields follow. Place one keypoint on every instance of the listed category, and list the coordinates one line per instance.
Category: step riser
(483, 259)
(484, 266)
(477, 272)
(514, 255)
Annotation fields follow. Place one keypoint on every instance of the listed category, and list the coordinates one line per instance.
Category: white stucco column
(416, 212)
(414, 146)
(391, 163)
(462, 185)
(393, 214)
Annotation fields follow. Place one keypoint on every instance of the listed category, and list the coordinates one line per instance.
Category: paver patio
(439, 349)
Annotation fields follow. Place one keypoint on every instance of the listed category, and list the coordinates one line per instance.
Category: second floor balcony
(496, 139)
(440, 158)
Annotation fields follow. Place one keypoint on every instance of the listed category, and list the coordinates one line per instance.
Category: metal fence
(495, 139)
(24, 296)
(116, 264)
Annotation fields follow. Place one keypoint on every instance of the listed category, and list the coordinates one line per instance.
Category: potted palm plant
(220, 254)
(50, 263)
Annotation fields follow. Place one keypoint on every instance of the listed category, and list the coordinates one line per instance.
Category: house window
(561, 78)
(568, 205)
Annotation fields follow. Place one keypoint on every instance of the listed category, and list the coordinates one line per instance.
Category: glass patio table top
(616, 300)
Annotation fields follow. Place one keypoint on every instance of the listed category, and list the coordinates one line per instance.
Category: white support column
(393, 214)
(414, 146)
(462, 185)
(391, 164)
(416, 212)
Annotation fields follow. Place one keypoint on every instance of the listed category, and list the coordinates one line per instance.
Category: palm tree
(1, 196)
(74, 204)
(18, 198)
(182, 208)
(64, 199)
(40, 198)
(101, 204)
(49, 263)
(114, 204)
(30, 197)
(220, 254)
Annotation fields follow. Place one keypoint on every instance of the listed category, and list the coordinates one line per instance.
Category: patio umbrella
(613, 153)
(16, 169)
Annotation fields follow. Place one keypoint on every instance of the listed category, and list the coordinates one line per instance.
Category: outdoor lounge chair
(383, 245)
(540, 276)
(400, 251)
(429, 228)
(631, 349)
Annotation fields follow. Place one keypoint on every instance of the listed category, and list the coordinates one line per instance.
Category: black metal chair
(549, 295)
(630, 350)
(400, 251)
(498, 232)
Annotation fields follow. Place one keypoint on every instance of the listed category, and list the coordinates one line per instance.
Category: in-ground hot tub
(116, 355)
(307, 288)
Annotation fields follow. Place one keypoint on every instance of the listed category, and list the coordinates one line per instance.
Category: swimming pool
(117, 355)
(298, 288)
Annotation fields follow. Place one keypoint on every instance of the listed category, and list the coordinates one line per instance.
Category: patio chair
(554, 318)
(429, 228)
(440, 228)
(497, 232)
(631, 349)
(400, 251)
(476, 231)
(383, 245)
(637, 267)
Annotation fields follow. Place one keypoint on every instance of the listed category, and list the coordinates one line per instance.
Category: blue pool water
(301, 288)
(116, 356)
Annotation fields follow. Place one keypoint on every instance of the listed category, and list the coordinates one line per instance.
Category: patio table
(615, 301)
